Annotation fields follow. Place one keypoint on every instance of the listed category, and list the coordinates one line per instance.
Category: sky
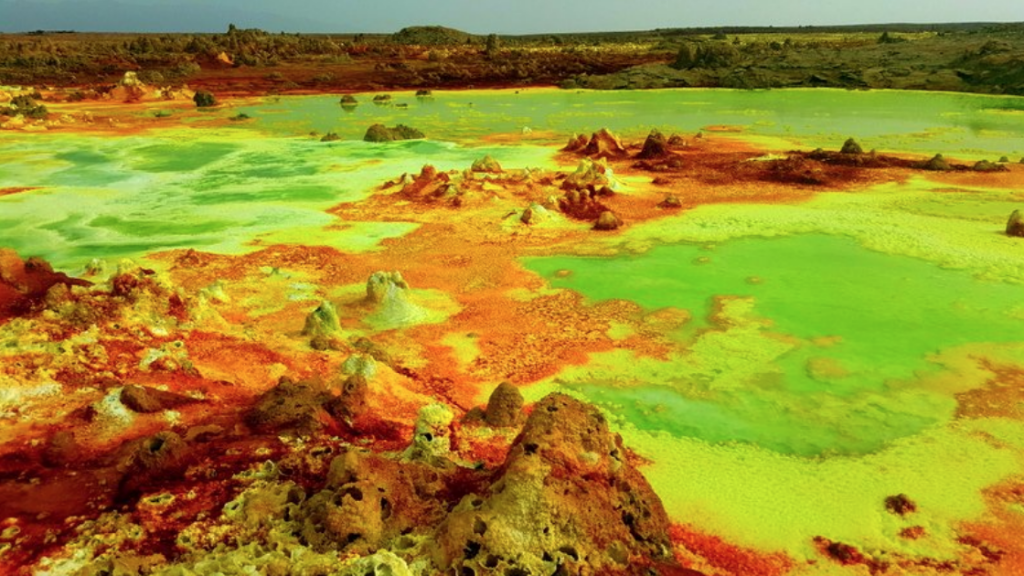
(482, 16)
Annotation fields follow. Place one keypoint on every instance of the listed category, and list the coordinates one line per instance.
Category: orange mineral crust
(714, 556)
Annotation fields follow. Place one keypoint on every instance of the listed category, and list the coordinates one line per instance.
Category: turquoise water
(867, 321)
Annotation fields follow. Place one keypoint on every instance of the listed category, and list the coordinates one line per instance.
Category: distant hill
(432, 36)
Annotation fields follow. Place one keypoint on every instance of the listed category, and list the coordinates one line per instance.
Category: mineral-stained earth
(515, 333)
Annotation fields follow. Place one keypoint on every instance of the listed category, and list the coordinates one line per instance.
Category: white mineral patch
(12, 398)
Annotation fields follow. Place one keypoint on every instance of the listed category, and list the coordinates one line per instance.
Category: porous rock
(288, 406)
(565, 499)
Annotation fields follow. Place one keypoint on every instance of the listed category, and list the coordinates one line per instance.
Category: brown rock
(24, 283)
(577, 142)
(147, 400)
(161, 456)
(900, 504)
(289, 405)
(656, 146)
(670, 201)
(352, 400)
(607, 221)
(504, 406)
(604, 144)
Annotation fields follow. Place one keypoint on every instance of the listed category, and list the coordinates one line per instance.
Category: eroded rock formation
(381, 133)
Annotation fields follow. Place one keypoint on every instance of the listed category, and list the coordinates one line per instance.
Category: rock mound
(385, 286)
(565, 501)
(487, 164)
(381, 133)
(604, 144)
(607, 221)
(1015, 225)
(656, 146)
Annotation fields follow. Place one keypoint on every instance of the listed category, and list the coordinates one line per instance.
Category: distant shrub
(204, 99)
(26, 106)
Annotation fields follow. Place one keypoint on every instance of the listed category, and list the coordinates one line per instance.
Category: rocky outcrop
(348, 101)
(592, 176)
(607, 221)
(577, 142)
(323, 327)
(390, 294)
(323, 321)
(487, 164)
(381, 133)
(385, 286)
(582, 205)
(290, 406)
(604, 144)
(161, 456)
(504, 408)
(656, 146)
(430, 186)
(431, 441)
(1015, 225)
(565, 501)
(24, 283)
(146, 400)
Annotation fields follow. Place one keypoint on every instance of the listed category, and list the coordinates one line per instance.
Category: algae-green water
(836, 366)
(971, 126)
(266, 179)
(217, 190)
(831, 362)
